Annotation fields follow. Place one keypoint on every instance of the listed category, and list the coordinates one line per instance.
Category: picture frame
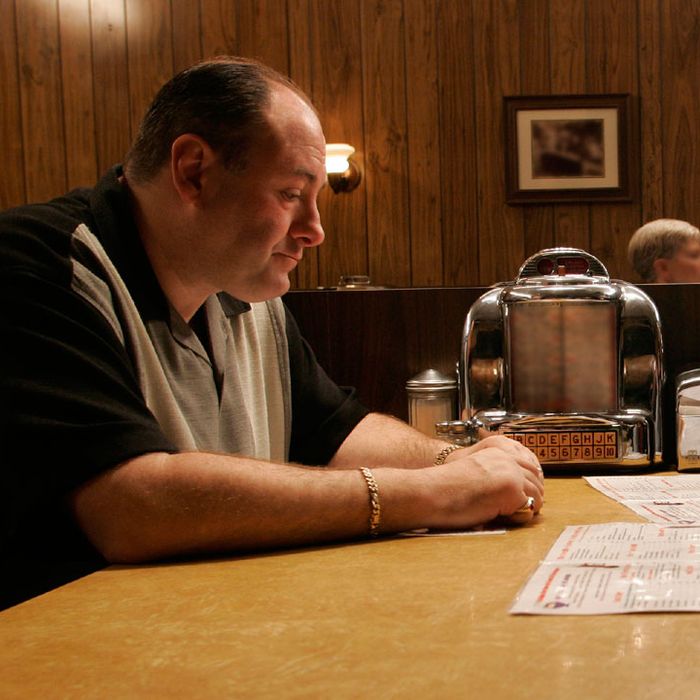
(570, 148)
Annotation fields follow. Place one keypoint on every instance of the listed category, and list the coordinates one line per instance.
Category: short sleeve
(323, 413)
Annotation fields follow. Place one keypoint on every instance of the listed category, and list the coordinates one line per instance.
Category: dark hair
(222, 100)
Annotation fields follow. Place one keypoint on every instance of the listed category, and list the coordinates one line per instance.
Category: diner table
(399, 617)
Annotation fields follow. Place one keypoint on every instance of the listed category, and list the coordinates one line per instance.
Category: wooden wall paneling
(425, 326)
(219, 27)
(12, 188)
(310, 308)
(40, 86)
(384, 93)
(612, 43)
(150, 54)
(301, 49)
(650, 119)
(496, 56)
(363, 358)
(110, 82)
(301, 41)
(262, 32)
(336, 74)
(77, 96)
(567, 37)
(187, 34)
(650, 48)
(681, 104)
(424, 166)
(535, 79)
(459, 170)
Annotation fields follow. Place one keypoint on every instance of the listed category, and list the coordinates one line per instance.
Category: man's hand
(493, 478)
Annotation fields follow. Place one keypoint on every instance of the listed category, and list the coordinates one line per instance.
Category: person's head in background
(666, 250)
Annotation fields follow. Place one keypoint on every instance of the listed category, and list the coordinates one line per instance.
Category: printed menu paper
(616, 568)
(659, 499)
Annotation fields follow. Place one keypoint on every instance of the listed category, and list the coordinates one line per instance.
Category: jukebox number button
(590, 446)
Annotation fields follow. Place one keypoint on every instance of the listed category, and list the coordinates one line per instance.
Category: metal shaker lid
(430, 380)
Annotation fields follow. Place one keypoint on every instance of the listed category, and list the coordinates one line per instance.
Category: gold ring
(528, 506)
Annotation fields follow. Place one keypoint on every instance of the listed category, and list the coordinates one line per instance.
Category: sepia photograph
(567, 148)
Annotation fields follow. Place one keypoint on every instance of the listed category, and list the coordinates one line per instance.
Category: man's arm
(379, 440)
(161, 505)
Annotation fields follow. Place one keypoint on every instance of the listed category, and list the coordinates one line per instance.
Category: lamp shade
(337, 155)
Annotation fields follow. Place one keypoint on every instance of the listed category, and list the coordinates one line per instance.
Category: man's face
(259, 220)
(684, 266)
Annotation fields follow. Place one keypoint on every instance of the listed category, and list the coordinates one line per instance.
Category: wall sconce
(344, 175)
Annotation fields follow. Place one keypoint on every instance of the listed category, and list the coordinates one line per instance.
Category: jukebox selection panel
(572, 445)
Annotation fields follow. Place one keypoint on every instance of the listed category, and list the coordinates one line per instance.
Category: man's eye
(291, 195)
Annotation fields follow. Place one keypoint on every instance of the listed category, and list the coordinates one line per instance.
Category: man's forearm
(161, 505)
(383, 441)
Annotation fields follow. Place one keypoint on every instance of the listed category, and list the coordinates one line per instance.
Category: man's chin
(264, 292)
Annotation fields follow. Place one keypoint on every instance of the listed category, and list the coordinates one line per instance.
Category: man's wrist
(444, 453)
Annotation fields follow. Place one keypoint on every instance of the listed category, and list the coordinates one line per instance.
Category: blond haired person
(666, 250)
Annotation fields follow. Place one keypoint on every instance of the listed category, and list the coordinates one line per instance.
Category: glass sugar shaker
(432, 398)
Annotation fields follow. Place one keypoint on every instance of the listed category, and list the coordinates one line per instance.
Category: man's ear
(661, 270)
(191, 158)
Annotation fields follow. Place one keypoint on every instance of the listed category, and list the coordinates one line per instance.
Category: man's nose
(308, 228)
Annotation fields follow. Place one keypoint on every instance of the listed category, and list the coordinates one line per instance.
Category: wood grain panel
(12, 190)
(567, 36)
(681, 104)
(651, 124)
(77, 94)
(385, 142)
(613, 68)
(110, 82)
(150, 52)
(415, 85)
(219, 27)
(423, 143)
(535, 79)
(336, 75)
(425, 327)
(262, 32)
(301, 50)
(458, 155)
(40, 85)
(187, 33)
(496, 53)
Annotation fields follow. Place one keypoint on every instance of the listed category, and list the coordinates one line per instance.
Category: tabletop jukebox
(566, 361)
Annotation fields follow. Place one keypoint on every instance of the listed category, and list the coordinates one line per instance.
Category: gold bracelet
(442, 455)
(375, 515)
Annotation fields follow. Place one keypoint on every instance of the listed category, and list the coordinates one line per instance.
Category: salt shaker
(432, 398)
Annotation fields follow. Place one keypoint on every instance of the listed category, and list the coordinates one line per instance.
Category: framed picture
(570, 148)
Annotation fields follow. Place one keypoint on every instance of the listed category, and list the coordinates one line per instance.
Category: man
(158, 400)
(666, 250)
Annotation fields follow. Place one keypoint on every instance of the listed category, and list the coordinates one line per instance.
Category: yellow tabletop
(395, 618)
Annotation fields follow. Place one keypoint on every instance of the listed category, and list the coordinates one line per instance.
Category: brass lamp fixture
(344, 174)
